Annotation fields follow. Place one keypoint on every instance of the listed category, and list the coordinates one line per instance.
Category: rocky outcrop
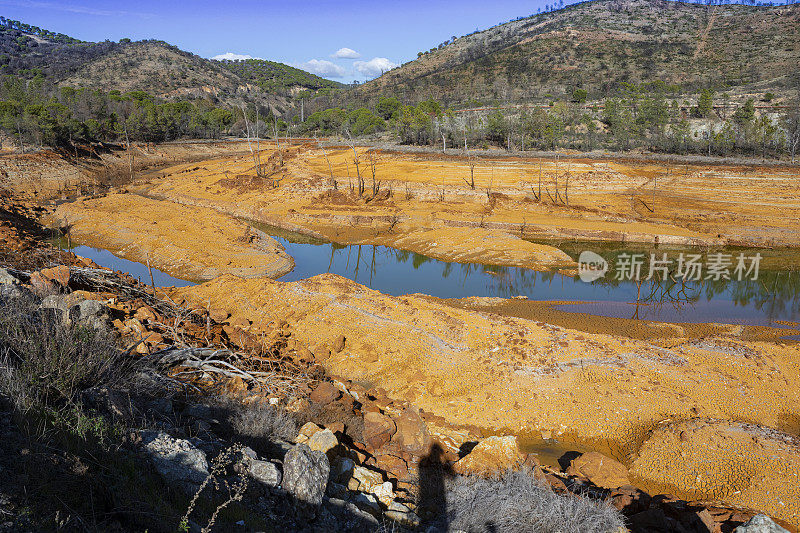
(305, 476)
(178, 461)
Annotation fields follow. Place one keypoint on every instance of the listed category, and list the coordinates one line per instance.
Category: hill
(155, 67)
(600, 45)
(277, 77)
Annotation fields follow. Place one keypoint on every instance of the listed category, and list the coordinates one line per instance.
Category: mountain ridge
(600, 45)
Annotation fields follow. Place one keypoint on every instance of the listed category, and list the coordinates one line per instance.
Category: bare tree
(330, 168)
(356, 162)
(471, 181)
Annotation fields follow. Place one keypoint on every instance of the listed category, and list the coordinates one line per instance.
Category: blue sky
(307, 34)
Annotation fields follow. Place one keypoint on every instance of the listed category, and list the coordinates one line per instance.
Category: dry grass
(518, 502)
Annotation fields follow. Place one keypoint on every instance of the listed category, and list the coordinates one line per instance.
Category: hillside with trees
(277, 77)
(600, 45)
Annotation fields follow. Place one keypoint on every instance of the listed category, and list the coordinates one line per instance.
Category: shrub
(46, 362)
(518, 502)
(263, 421)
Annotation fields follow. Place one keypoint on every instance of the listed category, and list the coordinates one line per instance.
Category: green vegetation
(35, 112)
(636, 116)
(277, 77)
(7, 24)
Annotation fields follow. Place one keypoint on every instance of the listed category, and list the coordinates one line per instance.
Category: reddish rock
(556, 483)
(493, 455)
(629, 500)
(338, 343)
(412, 434)
(325, 393)
(40, 284)
(601, 470)
(58, 275)
(395, 466)
(378, 429)
(218, 315)
(144, 313)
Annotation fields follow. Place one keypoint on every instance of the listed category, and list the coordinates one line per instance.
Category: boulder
(325, 393)
(378, 429)
(306, 432)
(264, 472)
(493, 455)
(412, 434)
(601, 470)
(58, 275)
(384, 492)
(323, 441)
(403, 515)
(7, 278)
(305, 476)
(178, 461)
(364, 479)
(367, 503)
(760, 524)
(342, 469)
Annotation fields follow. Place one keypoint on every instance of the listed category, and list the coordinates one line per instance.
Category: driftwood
(210, 362)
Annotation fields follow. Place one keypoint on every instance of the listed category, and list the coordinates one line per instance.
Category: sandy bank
(188, 242)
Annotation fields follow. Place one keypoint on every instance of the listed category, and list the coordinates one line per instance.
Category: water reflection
(775, 296)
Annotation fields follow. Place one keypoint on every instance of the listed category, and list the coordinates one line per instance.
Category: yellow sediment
(191, 243)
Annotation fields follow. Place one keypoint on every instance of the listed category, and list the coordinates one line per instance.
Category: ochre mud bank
(189, 242)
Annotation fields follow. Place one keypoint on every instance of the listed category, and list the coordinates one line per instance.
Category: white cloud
(374, 67)
(346, 53)
(323, 67)
(233, 57)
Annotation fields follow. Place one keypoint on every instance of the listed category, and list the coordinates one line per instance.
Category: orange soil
(191, 243)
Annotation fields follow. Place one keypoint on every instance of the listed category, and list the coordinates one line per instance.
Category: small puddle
(106, 259)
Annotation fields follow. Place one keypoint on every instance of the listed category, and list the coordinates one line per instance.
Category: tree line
(637, 117)
(36, 113)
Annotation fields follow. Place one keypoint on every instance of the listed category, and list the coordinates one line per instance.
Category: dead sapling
(356, 162)
(376, 185)
(471, 181)
(332, 181)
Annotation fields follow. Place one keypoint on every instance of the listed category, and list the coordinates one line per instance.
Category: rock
(401, 514)
(629, 500)
(325, 393)
(306, 432)
(73, 309)
(760, 524)
(412, 435)
(336, 490)
(367, 503)
(144, 313)
(58, 275)
(7, 278)
(178, 461)
(218, 315)
(601, 470)
(264, 472)
(378, 429)
(384, 492)
(40, 284)
(305, 476)
(351, 517)
(338, 343)
(364, 479)
(342, 469)
(493, 455)
(323, 441)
